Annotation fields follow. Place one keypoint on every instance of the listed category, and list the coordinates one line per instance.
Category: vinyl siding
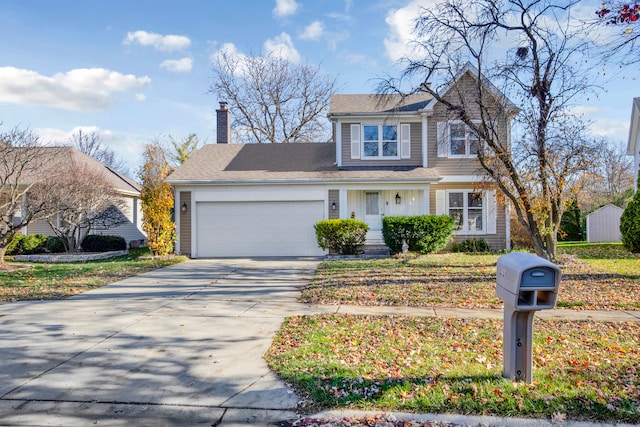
(334, 197)
(131, 230)
(456, 166)
(416, 148)
(185, 223)
(497, 241)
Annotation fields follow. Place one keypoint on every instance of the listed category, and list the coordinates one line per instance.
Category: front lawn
(55, 281)
(582, 370)
(595, 277)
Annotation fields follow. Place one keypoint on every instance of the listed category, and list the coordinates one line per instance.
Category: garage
(257, 228)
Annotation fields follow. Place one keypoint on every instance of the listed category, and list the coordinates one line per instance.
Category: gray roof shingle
(302, 162)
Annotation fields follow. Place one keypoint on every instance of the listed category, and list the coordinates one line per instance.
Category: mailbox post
(526, 283)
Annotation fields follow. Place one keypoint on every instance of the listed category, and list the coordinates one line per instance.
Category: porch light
(398, 199)
(333, 206)
(184, 207)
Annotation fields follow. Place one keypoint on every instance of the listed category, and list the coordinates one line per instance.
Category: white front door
(373, 214)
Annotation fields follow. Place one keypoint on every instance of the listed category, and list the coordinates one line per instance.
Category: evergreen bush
(27, 245)
(471, 246)
(100, 243)
(630, 224)
(344, 236)
(424, 233)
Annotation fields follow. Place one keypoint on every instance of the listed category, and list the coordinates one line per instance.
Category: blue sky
(137, 70)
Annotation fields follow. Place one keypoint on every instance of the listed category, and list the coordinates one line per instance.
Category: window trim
(467, 141)
(465, 211)
(443, 140)
(381, 141)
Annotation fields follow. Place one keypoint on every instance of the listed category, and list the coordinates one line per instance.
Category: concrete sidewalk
(181, 345)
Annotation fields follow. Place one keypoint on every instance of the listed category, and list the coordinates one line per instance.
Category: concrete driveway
(178, 346)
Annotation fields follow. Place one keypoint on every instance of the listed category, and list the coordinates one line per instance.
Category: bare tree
(610, 180)
(78, 201)
(91, 145)
(22, 166)
(542, 72)
(273, 100)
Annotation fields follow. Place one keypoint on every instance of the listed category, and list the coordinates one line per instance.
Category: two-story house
(389, 156)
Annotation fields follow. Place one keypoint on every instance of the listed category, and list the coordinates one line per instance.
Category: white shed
(603, 225)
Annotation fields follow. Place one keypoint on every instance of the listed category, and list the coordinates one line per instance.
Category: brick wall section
(185, 223)
(223, 125)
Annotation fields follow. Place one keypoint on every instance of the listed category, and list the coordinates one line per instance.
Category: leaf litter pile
(465, 281)
(582, 370)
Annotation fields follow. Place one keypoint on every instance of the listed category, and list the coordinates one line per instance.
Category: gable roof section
(634, 127)
(470, 69)
(341, 104)
(277, 163)
(62, 158)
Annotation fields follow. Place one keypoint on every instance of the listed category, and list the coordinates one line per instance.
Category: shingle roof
(302, 162)
(61, 158)
(371, 103)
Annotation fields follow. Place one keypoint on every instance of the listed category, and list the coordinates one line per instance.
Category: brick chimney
(223, 124)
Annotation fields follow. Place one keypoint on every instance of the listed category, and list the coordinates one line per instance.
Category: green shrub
(424, 234)
(630, 224)
(100, 243)
(26, 245)
(55, 245)
(344, 236)
(471, 246)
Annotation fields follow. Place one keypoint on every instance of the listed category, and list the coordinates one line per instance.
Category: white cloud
(78, 89)
(400, 21)
(282, 46)
(140, 97)
(166, 43)
(60, 136)
(183, 65)
(313, 31)
(285, 8)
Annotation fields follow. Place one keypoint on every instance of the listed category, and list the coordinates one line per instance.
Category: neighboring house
(127, 188)
(603, 224)
(633, 146)
(390, 156)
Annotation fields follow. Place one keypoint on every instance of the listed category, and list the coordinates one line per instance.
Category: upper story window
(464, 142)
(455, 139)
(380, 140)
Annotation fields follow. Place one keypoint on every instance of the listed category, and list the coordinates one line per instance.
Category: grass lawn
(595, 277)
(582, 370)
(55, 281)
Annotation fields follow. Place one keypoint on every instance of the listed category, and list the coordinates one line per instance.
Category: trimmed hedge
(424, 233)
(27, 245)
(55, 245)
(100, 243)
(344, 236)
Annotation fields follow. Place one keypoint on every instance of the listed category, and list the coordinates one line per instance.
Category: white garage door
(274, 228)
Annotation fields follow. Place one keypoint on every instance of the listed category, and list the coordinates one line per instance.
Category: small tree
(630, 224)
(157, 201)
(182, 150)
(22, 162)
(79, 200)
